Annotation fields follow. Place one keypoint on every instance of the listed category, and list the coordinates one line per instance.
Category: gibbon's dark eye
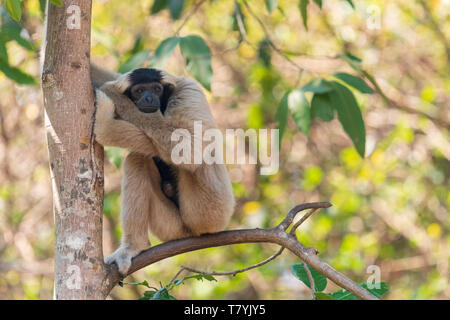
(140, 90)
(157, 89)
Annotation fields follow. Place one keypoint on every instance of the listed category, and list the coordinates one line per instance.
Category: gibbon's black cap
(143, 75)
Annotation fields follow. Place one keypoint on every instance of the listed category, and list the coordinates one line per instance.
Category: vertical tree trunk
(76, 162)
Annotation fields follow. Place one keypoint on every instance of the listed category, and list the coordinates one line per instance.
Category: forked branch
(277, 235)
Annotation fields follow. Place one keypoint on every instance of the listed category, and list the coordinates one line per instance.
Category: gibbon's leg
(116, 132)
(165, 220)
(99, 75)
(143, 206)
(136, 188)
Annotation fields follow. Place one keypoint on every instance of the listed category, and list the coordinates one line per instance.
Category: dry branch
(276, 235)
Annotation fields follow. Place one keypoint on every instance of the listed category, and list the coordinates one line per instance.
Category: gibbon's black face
(147, 92)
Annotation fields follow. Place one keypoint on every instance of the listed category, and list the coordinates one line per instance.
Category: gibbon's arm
(100, 75)
(154, 125)
(113, 132)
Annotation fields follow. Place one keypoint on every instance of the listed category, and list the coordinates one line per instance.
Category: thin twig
(311, 280)
(189, 16)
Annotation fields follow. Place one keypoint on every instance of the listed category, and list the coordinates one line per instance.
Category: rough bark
(76, 162)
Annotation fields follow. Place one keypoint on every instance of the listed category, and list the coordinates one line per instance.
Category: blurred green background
(390, 209)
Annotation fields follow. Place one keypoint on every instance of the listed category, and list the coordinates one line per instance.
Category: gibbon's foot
(122, 258)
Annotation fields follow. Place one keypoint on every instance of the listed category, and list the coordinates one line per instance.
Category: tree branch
(276, 235)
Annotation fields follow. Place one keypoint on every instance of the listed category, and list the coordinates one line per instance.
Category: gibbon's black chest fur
(169, 181)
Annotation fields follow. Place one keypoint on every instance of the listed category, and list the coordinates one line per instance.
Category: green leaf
(343, 294)
(320, 281)
(303, 10)
(135, 61)
(11, 30)
(16, 74)
(299, 108)
(351, 3)
(148, 295)
(264, 52)
(3, 51)
(163, 52)
(57, 2)
(319, 3)
(355, 82)
(323, 296)
(162, 294)
(198, 59)
(115, 156)
(282, 116)
(349, 115)
(176, 7)
(321, 107)
(158, 5)
(271, 5)
(317, 86)
(14, 9)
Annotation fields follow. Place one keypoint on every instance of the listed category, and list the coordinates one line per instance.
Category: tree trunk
(76, 161)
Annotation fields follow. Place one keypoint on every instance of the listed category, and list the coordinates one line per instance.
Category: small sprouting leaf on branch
(198, 59)
(299, 108)
(199, 277)
(271, 5)
(14, 9)
(163, 52)
(303, 5)
(319, 3)
(353, 81)
(320, 281)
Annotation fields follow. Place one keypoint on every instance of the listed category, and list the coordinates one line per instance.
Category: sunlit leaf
(321, 107)
(355, 82)
(299, 108)
(349, 115)
(320, 281)
(163, 52)
(198, 59)
(14, 9)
